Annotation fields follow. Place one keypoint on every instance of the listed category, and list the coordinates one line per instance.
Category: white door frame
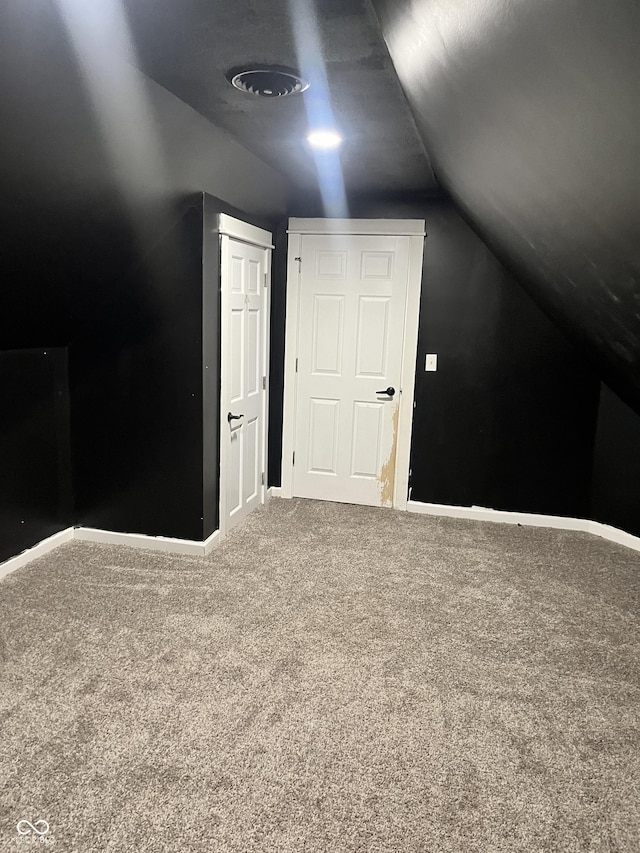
(245, 233)
(415, 230)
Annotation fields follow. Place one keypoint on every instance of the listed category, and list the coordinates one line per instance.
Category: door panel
(350, 341)
(236, 354)
(251, 478)
(373, 335)
(366, 442)
(234, 471)
(323, 436)
(253, 362)
(328, 320)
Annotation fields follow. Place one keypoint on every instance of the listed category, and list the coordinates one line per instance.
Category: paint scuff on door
(387, 477)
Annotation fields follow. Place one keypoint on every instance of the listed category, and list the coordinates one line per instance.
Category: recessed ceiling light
(324, 139)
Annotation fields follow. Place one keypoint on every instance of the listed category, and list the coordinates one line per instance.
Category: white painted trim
(223, 427)
(274, 492)
(266, 337)
(132, 540)
(290, 355)
(382, 227)
(190, 547)
(480, 513)
(193, 548)
(39, 550)
(528, 519)
(244, 232)
(409, 352)
(211, 541)
(408, 372)
(613, 534)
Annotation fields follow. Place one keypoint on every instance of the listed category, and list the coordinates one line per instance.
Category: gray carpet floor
(331, 678)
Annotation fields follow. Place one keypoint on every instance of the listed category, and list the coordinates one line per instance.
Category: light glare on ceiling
(324, 139)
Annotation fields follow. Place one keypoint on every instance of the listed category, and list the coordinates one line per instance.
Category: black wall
(136, 385)
(276, 353)
(508, 419)
(616, 469)
(35, 474)
(530, 113)
(101, 210)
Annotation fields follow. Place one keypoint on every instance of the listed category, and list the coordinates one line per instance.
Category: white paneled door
(245, 275)
(352, 302)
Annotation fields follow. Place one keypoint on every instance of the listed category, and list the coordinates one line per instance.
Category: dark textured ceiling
(531, 113)
(529, 110)
(188, 48)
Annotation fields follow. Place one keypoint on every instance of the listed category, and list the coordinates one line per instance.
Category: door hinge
(262, 478)
(264, 383)
(296, 365)
(266, 279)
(293, 461)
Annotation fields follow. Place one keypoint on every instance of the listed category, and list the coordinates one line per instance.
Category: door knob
(390, 391)
(231, 417)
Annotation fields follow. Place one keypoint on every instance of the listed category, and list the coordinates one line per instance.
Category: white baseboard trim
(38, 550)
(211, 541)
(613, 534)
(107, 537)
(274, 492)
(481, 513)
(193, 548)
(527, 519)
(190, 547)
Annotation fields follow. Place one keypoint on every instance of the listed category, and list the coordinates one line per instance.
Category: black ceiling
(531, 113)
(188, 47)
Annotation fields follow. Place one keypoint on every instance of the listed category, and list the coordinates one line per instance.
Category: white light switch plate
(431, 361)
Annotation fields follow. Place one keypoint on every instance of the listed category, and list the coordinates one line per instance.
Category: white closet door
(352, 302)
(245, 275)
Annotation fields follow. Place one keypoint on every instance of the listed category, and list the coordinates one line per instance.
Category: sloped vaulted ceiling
(530, 111)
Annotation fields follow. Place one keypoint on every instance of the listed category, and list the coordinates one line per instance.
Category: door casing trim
(414, 229)
(236, 229)
(243, 231)
(362, 227)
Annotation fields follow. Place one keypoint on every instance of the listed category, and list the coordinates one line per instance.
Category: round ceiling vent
(268, 81)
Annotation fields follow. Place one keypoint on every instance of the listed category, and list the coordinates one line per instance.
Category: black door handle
(390, 391)
(231, 417)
